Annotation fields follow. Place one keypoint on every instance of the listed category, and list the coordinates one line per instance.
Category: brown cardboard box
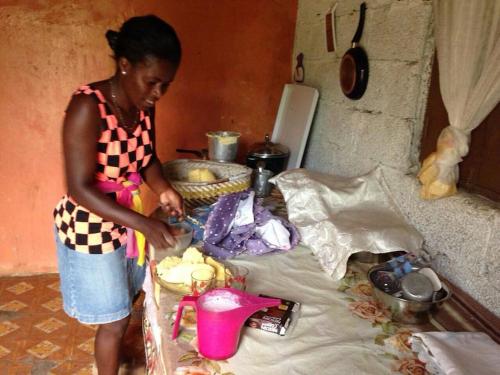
(276, 319)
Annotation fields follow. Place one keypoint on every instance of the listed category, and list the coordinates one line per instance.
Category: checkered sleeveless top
(118, 154)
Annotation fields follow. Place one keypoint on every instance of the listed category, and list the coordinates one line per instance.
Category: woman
(108, 140)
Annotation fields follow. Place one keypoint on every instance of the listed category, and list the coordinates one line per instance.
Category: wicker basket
(231, 178)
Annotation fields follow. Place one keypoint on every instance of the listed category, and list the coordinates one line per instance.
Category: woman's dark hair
(144, 36)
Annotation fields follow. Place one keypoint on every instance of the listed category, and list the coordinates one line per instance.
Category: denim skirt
(98, 288)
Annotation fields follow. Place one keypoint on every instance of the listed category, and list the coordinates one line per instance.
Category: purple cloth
(222, 240)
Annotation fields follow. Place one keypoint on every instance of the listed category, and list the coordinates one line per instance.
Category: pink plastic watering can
(220, 314)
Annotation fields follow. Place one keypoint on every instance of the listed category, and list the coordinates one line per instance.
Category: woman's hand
(170, 199)
(171, 203)
(157, 234)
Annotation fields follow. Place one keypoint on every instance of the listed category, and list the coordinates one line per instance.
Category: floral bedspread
(340, 329)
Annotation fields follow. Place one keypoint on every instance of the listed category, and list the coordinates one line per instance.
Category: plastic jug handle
(186, 301)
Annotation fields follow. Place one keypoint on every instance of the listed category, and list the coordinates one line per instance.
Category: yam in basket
(229, 178)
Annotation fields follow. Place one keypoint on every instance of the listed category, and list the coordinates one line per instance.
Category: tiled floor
(37, 337)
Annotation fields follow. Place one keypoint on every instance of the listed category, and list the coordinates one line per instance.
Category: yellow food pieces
(181, 273)
(178, 270)
(192, 255)
(219, 268)
(168, 262)
(201, 175)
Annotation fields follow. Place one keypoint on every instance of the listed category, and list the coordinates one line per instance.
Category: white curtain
(467, 34)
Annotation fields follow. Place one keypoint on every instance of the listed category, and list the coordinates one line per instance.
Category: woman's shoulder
(94, 89)
(85, 100)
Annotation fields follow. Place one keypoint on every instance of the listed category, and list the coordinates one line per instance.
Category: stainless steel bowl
(403, 310)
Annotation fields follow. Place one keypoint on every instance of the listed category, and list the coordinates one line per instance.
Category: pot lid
(268, 149)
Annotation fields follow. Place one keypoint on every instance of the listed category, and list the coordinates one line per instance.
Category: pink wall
(237, 57)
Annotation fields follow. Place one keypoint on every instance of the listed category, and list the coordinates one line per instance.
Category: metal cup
(261, 184)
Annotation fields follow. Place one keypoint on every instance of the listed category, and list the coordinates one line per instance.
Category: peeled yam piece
(201, 175)
(178, 270)
(181, 273)
(166, 263)
(219, 268)
(192, 255)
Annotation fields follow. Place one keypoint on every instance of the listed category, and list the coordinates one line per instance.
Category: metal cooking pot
(268, 155)
(223, 145)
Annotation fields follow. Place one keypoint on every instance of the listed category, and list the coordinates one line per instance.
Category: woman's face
(145, 82)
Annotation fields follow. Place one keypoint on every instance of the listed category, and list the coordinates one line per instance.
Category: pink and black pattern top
(119, 154)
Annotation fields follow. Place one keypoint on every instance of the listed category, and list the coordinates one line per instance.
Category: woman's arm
(80, 135)
(170, 199)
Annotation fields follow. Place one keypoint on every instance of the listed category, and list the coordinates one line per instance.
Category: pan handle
(201, 154)
(359, 30)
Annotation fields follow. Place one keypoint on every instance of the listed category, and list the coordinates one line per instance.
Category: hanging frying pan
(354, 64)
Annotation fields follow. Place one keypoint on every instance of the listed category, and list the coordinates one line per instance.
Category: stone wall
(350, 137)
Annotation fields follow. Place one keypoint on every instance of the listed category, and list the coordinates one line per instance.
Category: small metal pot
(223, 145)
(268, 155)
